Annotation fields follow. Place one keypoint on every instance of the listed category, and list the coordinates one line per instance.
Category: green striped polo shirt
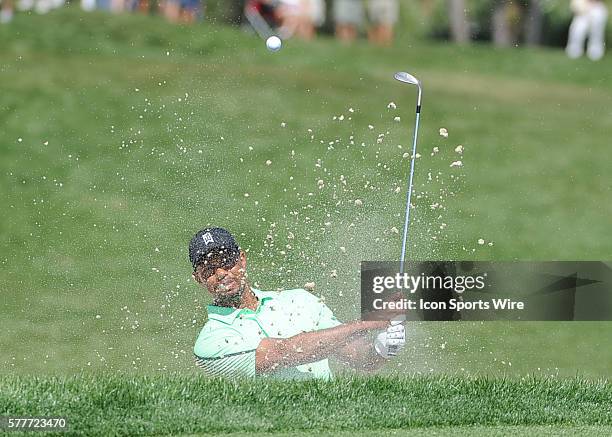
(227, 343)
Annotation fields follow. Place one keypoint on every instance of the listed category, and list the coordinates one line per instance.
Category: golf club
(258, 22)
(410, 79)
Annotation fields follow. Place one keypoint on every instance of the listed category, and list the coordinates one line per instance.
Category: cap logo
(208, 238)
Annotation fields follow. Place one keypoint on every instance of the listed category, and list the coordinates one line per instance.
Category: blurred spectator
(171, 10)
(190, 10)
(181, 11)
(104, 5)
(141, 6)
(6, 11)
(382, 17)
(590, 17)
(285, 17)
(318, 12)
(117, 6)
(300, 17)
(348, 16)
(39, 6)
(88, 5)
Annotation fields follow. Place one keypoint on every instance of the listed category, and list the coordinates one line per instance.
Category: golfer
(288, 334)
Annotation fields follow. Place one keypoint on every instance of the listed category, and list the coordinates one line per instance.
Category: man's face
(225, 283)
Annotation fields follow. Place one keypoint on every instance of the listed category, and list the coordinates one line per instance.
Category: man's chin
(228, 297)
(227, 300)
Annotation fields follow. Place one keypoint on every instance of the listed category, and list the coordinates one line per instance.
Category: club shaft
(409, 193)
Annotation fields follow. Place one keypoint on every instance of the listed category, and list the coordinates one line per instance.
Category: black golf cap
(216, 245)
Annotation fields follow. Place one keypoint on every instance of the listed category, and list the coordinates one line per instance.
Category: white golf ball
(274, 43)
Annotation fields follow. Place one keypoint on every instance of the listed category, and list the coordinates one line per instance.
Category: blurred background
(504, 23)
(127, 126)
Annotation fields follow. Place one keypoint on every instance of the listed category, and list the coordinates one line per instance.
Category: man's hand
(389, 342)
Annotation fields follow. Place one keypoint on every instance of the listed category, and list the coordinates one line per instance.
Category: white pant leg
(598, 17)
(317, 12)
(43, 6)
(577, 35)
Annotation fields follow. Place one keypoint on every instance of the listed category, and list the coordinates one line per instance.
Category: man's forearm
(359, 353)
(277, 353)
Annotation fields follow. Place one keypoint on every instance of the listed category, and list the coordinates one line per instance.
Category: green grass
(171, 404)
(121, 136)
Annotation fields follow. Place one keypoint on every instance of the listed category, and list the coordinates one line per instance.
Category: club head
(402, 76)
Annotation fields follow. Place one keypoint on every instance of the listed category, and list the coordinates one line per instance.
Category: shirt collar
(227, 314)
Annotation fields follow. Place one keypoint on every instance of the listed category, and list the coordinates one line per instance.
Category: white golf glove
(388, 343)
